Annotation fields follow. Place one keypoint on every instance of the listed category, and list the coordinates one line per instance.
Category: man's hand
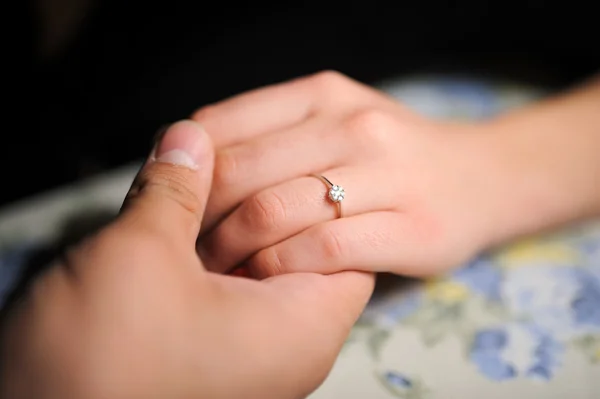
(132, 313)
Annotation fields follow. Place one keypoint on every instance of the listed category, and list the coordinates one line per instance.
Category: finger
(287, 209)
(268, 109)
(337, 297)
(169, 194)
(377, 241)
(248, 168)
(315, 316)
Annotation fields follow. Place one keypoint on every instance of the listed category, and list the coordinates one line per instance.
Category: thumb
(169, 194)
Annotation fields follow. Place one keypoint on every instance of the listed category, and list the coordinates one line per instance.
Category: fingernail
(179, 158)
(180, 144)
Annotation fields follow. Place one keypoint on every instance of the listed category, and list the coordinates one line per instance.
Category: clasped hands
(134, 312)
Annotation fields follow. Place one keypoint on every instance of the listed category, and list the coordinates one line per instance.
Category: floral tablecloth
(522, 322)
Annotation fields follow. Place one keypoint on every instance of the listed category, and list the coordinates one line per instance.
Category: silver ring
(336, 194)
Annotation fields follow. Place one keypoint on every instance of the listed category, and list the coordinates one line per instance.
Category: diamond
(336, 193)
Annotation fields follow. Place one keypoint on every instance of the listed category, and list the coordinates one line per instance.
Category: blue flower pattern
(491, 352)
(486, 354)
(586, 305)
(547, 306)
(482, 277)
(402, 386)
(398, 380)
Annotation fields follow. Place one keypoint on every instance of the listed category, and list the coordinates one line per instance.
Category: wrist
(536, 181)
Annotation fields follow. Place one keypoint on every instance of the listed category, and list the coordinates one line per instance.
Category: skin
(422, 196)
(134, 313)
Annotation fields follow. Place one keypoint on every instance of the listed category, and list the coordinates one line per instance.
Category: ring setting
(337, 193)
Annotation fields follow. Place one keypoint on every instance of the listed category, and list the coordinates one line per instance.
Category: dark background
(93, 100)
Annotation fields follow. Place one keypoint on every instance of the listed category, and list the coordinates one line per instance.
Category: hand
(422, 196)
(132, 313)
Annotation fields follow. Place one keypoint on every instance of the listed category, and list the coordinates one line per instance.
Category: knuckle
(370, 125)
(329, 80)
(266, 263)
(225, 169)
(331, 243)
(204, 113)
(264, 211)
(174, 185)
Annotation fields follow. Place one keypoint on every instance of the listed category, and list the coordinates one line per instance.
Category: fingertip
(265, 264)
(355, 282)
(338, 299)
(185, 143)
(171, 190)
(353, 290)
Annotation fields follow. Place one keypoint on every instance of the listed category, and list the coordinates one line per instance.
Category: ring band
(336, 194)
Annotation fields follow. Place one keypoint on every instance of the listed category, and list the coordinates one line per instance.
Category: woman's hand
(421, 195)
(132, 313)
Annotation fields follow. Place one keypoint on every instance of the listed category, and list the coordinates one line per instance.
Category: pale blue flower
(553, 298)
(589, 244)
(393, 308)
(482, 276)
(397, 380)
(546, 355)
(586, 305)
(590, 247)
(404, 308)
(514, 350)
(486, 354)
(402, 386)
(479, 98)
